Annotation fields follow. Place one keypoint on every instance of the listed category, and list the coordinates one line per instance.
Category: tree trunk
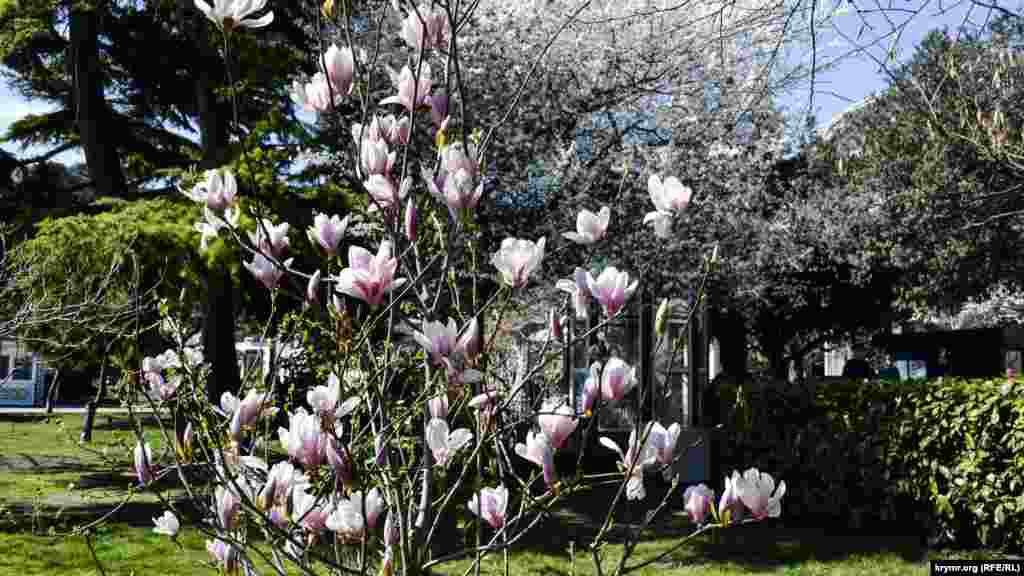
(91, 114)
(219, 317)
(219, 335)
(51, 394)
(91, 406)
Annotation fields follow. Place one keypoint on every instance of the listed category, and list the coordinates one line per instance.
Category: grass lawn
(123, 549)
(42, 460)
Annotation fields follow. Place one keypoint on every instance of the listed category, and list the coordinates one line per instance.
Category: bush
(945, 455)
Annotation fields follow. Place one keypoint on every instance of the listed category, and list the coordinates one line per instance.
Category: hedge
(944, 456)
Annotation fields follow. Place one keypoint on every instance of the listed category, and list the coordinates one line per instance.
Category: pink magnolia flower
(266, 271)
(217, 190)
(469, 341)
(395, 130)
(633, 461)
(664, 441)
(375, 158)
(315, 95)
(592, 389)
(392, 532)
(327, 232)
(617, 379)
(443, 444)
(245, 412)
(347, 518)
(313, 288)
(557, 422)
(339, 64)
(485, 405)
(730, 508)
(611, 289)
(438, 109)
(303, 440)
(324, 400)
(229, 14)
(699, 501)
(144, 463)
(411, 94)
(227, 505)
(758, 493)
(437, 407)
(339, 460)
(281, 478)
(308, 510)
(383, 192)
(373, 132)
(223, 554)
(410, 220)
(579, 291)
(538, 450)
(270, 238)
(430, 32)
(590, 227)
(555, 325)
(517, 259)
(490, 505)
(369, 277)
(669, 197)
(437, 339)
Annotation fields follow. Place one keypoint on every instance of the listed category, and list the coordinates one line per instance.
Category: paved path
(70, 410)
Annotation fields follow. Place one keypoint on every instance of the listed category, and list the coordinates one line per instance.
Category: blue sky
(854, 77)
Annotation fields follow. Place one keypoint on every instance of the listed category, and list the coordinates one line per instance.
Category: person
(858, 367)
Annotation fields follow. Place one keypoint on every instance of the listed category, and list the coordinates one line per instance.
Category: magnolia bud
(410, 221)
(661, 318)
(555, 324)
(392, 536)
(437, 407)
(313, 288)
(337, 305)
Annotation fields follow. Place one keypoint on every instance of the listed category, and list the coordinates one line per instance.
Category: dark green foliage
(944, 456)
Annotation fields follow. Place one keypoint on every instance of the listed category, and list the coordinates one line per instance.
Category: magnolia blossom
(557, 422)
(212, 224)
(217, 190)
(229, 14)
(411, 94)
(375, 158)
(410, 220)
(223, 554)
(580, 292)
(167, 524)
(313, 288)
(441, 341)
(538, 450)
(758, 493)
(438, 109)
(281, 478)
(143, 463)
(634, 460)
(245, 412)
(617, 379)
(443, 444)
(315, 95)
(161, 388)
(183, 446)
(437, 407)
(324, 400)
(664, 442)
(392, 532)
(730, 507)
(266, 271)
(385, 195)
(227, 504)
(490, 505)
(590, 227)
(611, 289)
(372, 132)
(591, 389)
(485, 406)
(339, 64)
(271, 238)
(303, 439)
(339, 460)
(430, 32)
(699, 501)
(347, 518)
(555, 325)
(369, 277)
(517, 259)
(393, 129)
(327, 232)
(308, 510)
(669, 198)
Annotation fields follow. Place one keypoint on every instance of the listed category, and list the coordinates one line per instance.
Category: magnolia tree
(411, 426)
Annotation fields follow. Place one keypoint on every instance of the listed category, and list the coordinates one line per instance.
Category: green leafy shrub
(945, 455)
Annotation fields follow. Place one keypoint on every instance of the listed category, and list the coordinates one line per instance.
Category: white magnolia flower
(590, 227)
(167, 524)
(229, 14)
(443, 444)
